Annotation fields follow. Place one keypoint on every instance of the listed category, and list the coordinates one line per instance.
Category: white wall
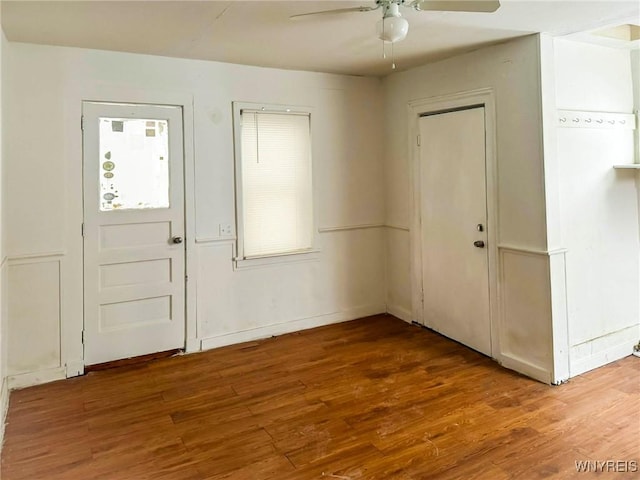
(512, 71)
(43, 160)
(635, 77)
(4, 397)
(598, 205)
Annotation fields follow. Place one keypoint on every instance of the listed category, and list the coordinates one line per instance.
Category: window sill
(275, 260)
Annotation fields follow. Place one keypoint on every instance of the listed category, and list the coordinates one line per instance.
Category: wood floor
(370, 399)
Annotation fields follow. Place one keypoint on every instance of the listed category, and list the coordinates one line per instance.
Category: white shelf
(629, 166)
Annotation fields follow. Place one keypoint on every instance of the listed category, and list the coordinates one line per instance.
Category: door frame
(72, 325)
(484, 97)
(175, 216)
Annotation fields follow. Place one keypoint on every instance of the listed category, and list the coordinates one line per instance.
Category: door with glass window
(134, 250)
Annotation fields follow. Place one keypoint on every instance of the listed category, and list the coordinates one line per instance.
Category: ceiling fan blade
(337, 10)
(487, 6)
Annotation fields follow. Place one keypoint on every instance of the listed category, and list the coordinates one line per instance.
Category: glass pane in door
(134, 164)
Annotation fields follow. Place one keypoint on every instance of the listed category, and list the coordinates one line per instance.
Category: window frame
(239, 258)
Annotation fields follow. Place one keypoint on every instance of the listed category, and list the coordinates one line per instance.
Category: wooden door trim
(474, 98)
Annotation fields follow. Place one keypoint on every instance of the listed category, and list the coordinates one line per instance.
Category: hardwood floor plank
(371, 399)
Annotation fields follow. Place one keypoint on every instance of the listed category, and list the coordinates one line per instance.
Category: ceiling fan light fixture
(392, 29)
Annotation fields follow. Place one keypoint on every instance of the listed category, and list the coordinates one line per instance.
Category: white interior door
(454, 226)
(134, 254)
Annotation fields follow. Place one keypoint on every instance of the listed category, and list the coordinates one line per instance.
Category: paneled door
(134, 253)
(455, 269)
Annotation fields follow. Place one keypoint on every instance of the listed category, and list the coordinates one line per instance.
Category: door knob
(478, 243)
(176, 240)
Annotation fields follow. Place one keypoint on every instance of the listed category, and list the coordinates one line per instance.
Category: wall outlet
(225, 230)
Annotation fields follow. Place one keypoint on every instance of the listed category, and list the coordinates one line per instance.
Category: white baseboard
(74, 368)
(288, 327)
(601, 358)
(192, 345)
(400, 312)
(4, 407)
(36, 378)
(524, 367)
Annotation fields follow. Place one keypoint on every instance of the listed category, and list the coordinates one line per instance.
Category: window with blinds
(275, 194)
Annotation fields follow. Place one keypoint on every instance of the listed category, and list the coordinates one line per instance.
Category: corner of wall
(4, 407)
(400, 312)
(397, 231)
(556, 257)
(635, 76)
(4, 392)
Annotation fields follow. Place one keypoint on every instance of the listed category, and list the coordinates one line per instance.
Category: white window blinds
(277, 196)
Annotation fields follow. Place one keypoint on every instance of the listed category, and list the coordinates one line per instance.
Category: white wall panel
(34, 315)
(592, 77)
(525, 323)
(342, 280)
(350, 178)
(36, 221)
(600, 232)
(559, 317)
(398, 257)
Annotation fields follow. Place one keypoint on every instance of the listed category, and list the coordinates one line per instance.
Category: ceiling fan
(393, 27)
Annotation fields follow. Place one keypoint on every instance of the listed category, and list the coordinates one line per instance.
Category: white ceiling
(261, 33)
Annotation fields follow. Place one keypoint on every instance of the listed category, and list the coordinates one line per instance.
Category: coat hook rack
(584, 119)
